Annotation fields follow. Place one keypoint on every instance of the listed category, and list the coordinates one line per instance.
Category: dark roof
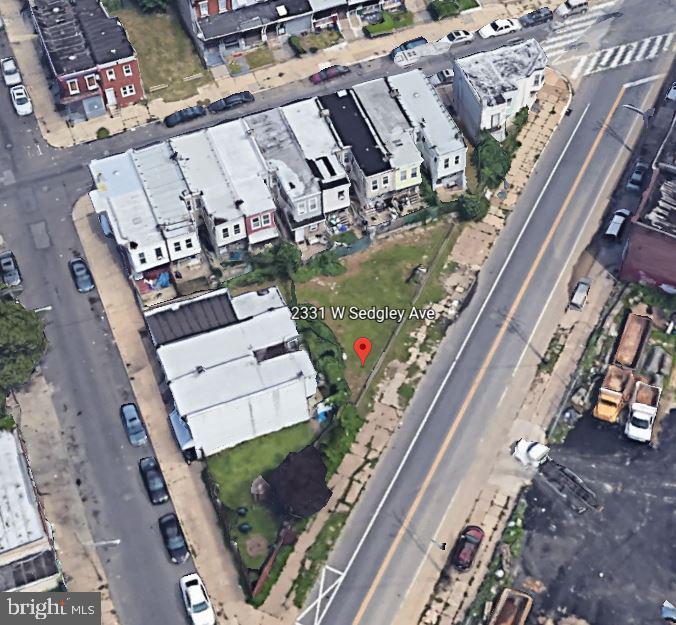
(27, 570)
(251, 18)
(354, 131)
(299, 483)
(79, 36)
(184, 319)
(650, 257)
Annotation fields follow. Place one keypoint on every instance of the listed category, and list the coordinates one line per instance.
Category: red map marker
(362, 346)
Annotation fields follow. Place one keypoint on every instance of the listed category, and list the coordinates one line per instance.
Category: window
(177, 246)
(447, 163)
(110, 73)
(204, 9)
(414, 172)
(236, 229)
(141, 258)
(403, 175)
(255, 223)
(91, 82)
(457, 160)
(495, 120)
(341, 195)
(374, 184)
(159, 253)
(266, 220)
(188, 243)
(126, 70)
(222, 6)
(537, 79)
(225, 232)
(73, 87)
(127, 90)
(312, 204)
(386, 180)
(302, 209)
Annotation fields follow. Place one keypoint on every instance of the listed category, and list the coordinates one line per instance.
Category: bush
(102, 133)
(440, 9)
(294, 42)
(340, 437)
(348, 237)
(471, 207)
(492, 161)
(323, 264)
(151, 6)
(390, 22)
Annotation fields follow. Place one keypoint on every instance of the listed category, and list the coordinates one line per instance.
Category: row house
(93, 65)
(491, 87)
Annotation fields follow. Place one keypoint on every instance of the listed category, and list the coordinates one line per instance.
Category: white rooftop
(244, 165)
(389, 121)
(20, 521)
(256, 302)
(495, 72)
(423, 107)
(282, 153)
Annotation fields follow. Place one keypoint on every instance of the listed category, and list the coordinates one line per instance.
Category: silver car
(20, 100)
(10, 72)
(133, 426)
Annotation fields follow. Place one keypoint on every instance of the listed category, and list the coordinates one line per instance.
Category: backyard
(165, 53)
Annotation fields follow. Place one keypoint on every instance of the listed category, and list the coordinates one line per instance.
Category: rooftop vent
(281, 10)
(199, 369)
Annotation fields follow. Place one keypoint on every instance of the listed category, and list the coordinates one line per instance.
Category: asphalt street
(38, 187)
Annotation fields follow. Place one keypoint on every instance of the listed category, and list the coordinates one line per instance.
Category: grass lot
(390, 23)
(323, 39)
(375, 278)
(260, 57)
(449, 8)
(234, 470)
(165, 52)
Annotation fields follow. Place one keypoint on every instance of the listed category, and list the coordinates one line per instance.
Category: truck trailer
(634, 335)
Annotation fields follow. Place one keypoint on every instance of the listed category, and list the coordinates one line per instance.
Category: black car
(184, 115)
(9, 269)
(231, 101)
(153, 480)
(537, 17)
(82, 277)
(173, 538)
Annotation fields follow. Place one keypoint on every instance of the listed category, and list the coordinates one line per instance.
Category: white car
(197, 603)
(617, 224)
(671, 94)
(20, 100)
(459, 36)
(10, 72)
(499, 27)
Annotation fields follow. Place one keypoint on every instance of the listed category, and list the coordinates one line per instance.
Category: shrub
(150, 6)
(440, 9)
(492, 161)
(102, 133)
(471, 207)
(390, 22)
(294, 42)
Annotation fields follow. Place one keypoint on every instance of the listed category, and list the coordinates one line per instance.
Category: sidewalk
(188, 494)
(50, 464)
(57, 133)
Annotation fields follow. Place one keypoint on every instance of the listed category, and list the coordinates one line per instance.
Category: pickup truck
(644, 403)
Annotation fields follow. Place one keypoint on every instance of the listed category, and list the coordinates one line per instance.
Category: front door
(111, 100)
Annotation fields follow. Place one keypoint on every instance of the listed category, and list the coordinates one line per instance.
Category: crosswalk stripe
(667, 43)
(626, 57)
(578, 68)
(645, 44)
(605, 57)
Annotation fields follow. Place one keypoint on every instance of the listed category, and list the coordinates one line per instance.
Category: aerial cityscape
(338, 312)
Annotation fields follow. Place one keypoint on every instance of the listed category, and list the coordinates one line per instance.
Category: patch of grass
(551, 356)
(7, 423)
(316, 556)
(260, 57)
(413, 370)
(440, 9)
(323, 39)
(234, 68)
(348, 237)
(406, 392)
(390, 22)
(275, 571)
(165, 53)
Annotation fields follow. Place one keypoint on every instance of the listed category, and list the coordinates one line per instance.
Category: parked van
(572, 7)
(617, 224)
(580, 293)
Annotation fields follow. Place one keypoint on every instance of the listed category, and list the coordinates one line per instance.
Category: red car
(327, 74)
(466, 547)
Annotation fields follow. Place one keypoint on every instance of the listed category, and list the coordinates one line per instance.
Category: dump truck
(635, 333)
(512, 608)
(644, 405)
(614, 393)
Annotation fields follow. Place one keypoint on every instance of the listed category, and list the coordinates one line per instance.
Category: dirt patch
(256, 545)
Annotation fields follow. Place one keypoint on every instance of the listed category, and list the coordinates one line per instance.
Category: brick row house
(93, 66)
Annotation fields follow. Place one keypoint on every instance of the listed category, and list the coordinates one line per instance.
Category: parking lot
(615, 565)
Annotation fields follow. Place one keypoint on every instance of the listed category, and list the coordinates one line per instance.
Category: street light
(646, 115)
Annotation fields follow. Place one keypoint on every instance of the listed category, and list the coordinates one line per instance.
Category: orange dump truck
(512, 608)
(634, 335)
(614, 393)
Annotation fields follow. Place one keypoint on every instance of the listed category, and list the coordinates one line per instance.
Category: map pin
(362, 346)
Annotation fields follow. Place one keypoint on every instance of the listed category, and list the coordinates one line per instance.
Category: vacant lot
(165, 52)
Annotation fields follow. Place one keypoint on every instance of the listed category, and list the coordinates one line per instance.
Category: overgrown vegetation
(440, 9)
(390, 22)
(296, 45)
(102, 133)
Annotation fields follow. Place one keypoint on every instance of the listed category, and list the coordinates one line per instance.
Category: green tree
(492, 161)
(150, 6)
(22, 345)
(471, 207)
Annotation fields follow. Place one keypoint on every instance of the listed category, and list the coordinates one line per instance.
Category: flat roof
(389, 121)
(661, 213)
(354, 132)
(254, 303)
(426, 111)
(282, 153)
(495, 72)
(244, 165)
(29, 569)
(20, 521)
(650, 258)
(252, 17)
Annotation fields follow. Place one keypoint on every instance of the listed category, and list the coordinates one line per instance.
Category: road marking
(643, 81)
(436, 397)
(489, 357)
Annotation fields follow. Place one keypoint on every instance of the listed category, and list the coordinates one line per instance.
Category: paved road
(38, 186)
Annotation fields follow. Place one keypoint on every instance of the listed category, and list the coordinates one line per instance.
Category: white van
(579, 297)
(572, 7)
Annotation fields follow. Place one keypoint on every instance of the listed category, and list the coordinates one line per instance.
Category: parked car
(671, 94)
(20, 100)
(444, 77)
(329, 73)
(173, 538)
(184, 115)
(9, 269)
(580, 293)
(153, 480)
(133, 426)
(617, 224)
(499, 27)
(196, 601)
(638, 177)
(10, 72)
(460, 36)
(537, 17)
(231, 101)
(408, 45)
(572, 7)
(466, 547)
(82, 277)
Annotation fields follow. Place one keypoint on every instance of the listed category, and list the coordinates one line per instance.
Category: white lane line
(451, 369)
(643, 81)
